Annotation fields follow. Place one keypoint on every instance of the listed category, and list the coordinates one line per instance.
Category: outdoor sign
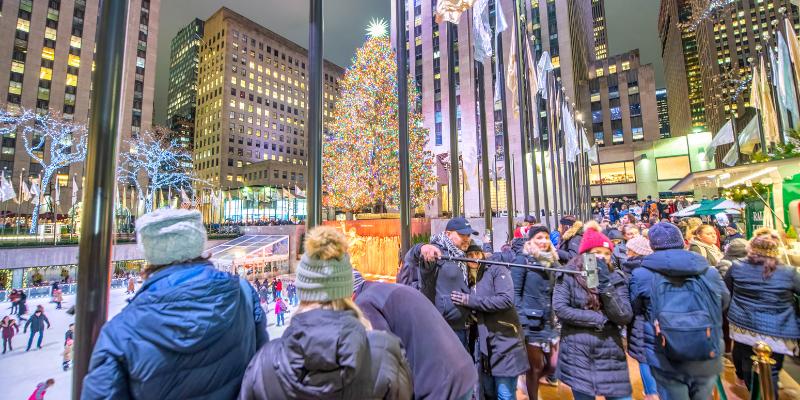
(754, 216)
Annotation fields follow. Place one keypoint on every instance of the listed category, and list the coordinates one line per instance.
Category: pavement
(20, 372)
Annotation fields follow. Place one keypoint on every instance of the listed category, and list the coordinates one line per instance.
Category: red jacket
(278, 285)
(10, 330)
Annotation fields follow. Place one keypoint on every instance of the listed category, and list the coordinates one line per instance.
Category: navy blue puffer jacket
(187, 334)
(533, 292)
(764, 305)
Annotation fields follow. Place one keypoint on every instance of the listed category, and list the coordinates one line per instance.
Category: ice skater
(67, 355)
(9, 328)
(36, 322)
(41, 389)
(280, 309)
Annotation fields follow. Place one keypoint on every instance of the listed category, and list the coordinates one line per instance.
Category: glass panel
(46, 74)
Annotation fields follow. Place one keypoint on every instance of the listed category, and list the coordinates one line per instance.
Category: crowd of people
(573, 304)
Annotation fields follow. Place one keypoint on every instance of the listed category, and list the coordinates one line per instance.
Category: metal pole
(542, 159)
(402, 126)
(735, 137)
(762, 365)
(551, 135)
(455, 192)
(314, 189)
(501, 77)
(487, 197)
(522, 99)
(94, 252)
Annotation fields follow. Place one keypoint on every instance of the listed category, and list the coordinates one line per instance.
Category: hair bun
(325, 243)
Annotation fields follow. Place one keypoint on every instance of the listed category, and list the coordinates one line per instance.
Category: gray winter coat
(591, 357)
(326, 354)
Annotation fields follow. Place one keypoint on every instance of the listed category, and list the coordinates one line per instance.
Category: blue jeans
(499, 387)
(280, 321)
(683, 386)
(583, 396)
(648, 381)
(38, 342)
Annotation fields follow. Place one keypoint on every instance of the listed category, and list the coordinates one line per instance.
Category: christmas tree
(360, 153)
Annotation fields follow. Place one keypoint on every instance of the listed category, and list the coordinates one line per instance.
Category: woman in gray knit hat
(329, 349)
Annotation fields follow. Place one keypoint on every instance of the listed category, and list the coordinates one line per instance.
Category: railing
(66, 289)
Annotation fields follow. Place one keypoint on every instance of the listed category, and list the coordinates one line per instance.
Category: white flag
(482, 35)
(298, 192)
(500, 26)
(7, 192)
(571, 134)
(584, 141)
(594, 156)
(58, 193)
(74, 191)
(724, 136)
(35, 190)
(748, 138)
(26, 193)
(185, 198)
(542, 68)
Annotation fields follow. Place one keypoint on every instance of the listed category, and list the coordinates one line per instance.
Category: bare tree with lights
(155, 162)
(62, 140)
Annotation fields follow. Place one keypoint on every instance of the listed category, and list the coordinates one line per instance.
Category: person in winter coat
(731, 233)
(449, 375)
(22, 306)
(41, 389)
(763, 308)
(592, 360)
(280, 310)
(58, 298)
(437, 278)
(620, 253)
(638, 248)
(66, 355)
(532, 296)
(9, 328)
(329, 349)
(736, 249)
(278, 288)
(571, 236)
(13, 297)
(186, 316)
(36, 323)
(704, 242)
(675, 379)
(131, 285)
(501, 353)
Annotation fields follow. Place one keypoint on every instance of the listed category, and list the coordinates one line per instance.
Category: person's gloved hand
(459, 298)
(603, 275)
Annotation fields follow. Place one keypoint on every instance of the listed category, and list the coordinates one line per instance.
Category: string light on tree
(360, 160)
(154, 163)
(63, 142)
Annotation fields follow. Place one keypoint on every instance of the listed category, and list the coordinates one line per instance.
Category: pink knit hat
(593, 238)
(639, 245)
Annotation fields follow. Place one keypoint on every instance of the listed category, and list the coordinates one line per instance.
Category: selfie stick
(533, 267)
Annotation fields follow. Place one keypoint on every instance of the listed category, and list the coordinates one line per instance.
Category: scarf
(710, 252)
(444, 242)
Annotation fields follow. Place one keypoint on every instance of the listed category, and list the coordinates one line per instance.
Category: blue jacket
(636, 336)
(761, 305)
(188, 333)
(672, 263)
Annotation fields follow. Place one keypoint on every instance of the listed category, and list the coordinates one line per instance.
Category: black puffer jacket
(436, 280)
(570, 243)
(327, 354)
(533, 292)
(591, 357)
(499, 333)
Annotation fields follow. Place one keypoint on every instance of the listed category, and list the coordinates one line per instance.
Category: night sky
(631, 24)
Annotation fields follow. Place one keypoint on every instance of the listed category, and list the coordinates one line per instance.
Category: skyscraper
(599, 29)
(50, 69)
(183, 62)
(251, 104)
(561, 27)
(681, 68)
(663, 113)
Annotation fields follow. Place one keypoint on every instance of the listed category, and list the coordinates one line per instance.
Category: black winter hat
(533, 230)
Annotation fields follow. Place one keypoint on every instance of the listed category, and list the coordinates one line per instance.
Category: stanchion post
(762, 364)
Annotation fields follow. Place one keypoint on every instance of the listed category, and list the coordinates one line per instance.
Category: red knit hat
(592, 238)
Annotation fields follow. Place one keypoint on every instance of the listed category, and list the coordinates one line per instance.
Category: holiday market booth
(762, 192)
(253, 256)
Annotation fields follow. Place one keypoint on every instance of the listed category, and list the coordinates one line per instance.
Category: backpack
(687, 316)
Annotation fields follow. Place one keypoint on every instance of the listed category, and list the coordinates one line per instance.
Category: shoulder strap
(272, 386)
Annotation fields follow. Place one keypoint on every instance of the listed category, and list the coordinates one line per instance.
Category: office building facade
(50, 63)
(251, 127)
(663, 112)
(183, 63)
(599, 30)
(563, 28)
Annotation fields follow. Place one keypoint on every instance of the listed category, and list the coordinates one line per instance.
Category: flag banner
(785, 84)
(570, 133)
(26, 193)
(533, 85)
(542, 68)
(298, 192)
(594, 156)
(768, 112)
(7, 190)
(451, 10)
(57, 192)
(511, 73)
(74, 191)
(724, 136)
(793, 46)
(185, 198)
(500, 26)
(482, 35)
(748, 138)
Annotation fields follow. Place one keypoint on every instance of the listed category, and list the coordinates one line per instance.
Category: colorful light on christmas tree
(360, 153)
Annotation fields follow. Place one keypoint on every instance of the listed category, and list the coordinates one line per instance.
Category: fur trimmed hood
(572, 231)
